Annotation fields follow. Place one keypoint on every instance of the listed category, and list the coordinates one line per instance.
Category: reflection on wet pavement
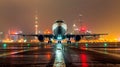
(33, 54)
(59, 60)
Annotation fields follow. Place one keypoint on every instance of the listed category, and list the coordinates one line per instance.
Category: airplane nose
(59, 29)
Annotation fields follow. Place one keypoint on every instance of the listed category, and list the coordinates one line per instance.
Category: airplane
(59, 29)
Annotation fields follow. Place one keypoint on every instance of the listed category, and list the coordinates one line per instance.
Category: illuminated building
(83, 29)
(47, 31)
(11, 36)
(75, 29)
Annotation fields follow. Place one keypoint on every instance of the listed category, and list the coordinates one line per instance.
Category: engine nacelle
(41, 38)
(77, 38)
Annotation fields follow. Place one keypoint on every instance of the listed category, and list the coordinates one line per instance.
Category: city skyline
(100, 16)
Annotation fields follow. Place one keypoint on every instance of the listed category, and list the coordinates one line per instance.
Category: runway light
(76, 45)
(86, 44)
(105, 44)
(4, 45)
(28, 45)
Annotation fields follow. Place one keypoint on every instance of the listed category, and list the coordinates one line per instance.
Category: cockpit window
(59, 21)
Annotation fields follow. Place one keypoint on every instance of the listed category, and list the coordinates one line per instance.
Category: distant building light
(74, 25)
(36, 25)
(20, 31)
(118, 39)
(16, 33)
(76, 29)
(88, 31)
(25, 40)
(1, 32)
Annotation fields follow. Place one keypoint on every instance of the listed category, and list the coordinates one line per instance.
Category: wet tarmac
(44, 55)
(25, 55)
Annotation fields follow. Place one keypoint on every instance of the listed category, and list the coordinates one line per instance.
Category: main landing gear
(69, 42)
(49, 42)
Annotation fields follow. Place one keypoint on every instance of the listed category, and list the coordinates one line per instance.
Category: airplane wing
(82, 35)
(78, 37)
(45, 35)
(39, 36)
(92, 34)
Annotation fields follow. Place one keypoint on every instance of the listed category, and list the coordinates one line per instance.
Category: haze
(100, 16)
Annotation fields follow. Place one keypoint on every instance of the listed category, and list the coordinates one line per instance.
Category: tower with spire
(36, 22)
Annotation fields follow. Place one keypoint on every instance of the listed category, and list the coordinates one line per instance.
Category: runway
(44, 55)
(92, 58)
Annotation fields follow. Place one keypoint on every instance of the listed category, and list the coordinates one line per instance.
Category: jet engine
(77, 38)
(41, 38)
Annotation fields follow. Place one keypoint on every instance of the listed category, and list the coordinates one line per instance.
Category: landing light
(59, 38)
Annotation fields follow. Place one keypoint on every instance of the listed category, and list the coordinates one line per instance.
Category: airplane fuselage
(59, 29)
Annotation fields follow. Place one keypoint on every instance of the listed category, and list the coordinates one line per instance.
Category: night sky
(100, 16)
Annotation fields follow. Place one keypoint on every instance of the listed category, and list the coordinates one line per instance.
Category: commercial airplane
(59, 29)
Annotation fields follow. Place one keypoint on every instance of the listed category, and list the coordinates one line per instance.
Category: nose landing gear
(59, 41)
